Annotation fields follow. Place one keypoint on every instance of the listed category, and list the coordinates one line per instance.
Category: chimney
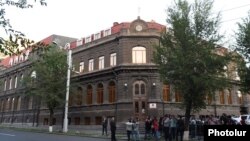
(115, 23)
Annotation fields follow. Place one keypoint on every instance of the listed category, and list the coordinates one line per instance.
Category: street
(12, 135)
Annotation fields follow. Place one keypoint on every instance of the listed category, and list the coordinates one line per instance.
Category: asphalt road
(12, 135)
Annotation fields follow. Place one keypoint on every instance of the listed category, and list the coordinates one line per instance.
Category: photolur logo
(235, 132)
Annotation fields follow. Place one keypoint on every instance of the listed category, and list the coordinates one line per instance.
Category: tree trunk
(51, 116)
(187, 114)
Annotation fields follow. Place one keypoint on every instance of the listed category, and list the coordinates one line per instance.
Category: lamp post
(65, 121)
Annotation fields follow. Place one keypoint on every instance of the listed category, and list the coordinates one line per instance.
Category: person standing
(113, 129)
(104, 126)
(180, 128)
(129, 128)
(147, 128)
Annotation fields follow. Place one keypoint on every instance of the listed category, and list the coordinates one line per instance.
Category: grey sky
(80, 18)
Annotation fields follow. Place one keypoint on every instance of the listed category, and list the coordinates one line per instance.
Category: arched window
(89, 94)
(18, 103)
(136, 89)
(166, 92)
(229, 97)
(139, 55)
(30, 103)
(111, 92)
(7, 107)
(79, 96)
(100, 93)
(1, 105)
(178, 96)
(12, 104)
(139, 88)
(222, 99)
(209, 99)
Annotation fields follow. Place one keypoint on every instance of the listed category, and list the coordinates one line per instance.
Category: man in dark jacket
(104, 126)
(113, 129)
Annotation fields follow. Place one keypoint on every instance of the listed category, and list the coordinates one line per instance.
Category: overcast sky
(80, 18)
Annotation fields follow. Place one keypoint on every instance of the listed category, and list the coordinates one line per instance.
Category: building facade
(115, 76)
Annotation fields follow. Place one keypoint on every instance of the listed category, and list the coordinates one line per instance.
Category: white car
(237, 119)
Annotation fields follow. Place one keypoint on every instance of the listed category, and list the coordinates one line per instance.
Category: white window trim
(5, 85)
(136, 53)
(15, 81)
(107, 32)
(91, 64)
(97, 36)
(10, 87)
(101, 62)
(88, 39)
(79, 42)
(81, 66)
(113, 59)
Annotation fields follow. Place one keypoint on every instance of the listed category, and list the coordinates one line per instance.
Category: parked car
(237, 119)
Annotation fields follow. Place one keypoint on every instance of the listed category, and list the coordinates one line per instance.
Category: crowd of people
(169, 127)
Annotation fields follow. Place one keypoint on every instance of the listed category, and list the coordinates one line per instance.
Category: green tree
(47, 81)
(243, 48)
(188, 57)
(16, 39)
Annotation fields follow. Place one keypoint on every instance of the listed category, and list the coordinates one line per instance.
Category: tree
(48, 78)
(188, 56)
(243, 48)
(16, 39)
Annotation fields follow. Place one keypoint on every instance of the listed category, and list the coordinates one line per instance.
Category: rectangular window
(12, 104)
(15, 81)
(45, 121)
(30, 103)
(81, 67)
(113, 59)
(5, 85)
(77, 120)
(91, 64)
(19, 104)
(178, 97)
(98, 120)
(139, 55)
(101, 62)
(166, 93)
(87, 120)
(10, 87)
(136, 107)
(222, 99)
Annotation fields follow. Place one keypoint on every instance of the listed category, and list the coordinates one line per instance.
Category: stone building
(116, 76)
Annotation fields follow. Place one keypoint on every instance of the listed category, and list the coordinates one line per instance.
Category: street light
(65, 121)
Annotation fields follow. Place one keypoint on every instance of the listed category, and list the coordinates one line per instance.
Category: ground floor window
(87, 120)
(45, 121)
(98, 120)
(77, 120)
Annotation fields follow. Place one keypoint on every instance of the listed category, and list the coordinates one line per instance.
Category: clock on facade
(138, 28)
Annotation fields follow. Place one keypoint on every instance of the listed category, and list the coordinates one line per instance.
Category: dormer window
(88, 39)
(79, 42)
(107, 32)
(16, 60)
(97, 36)
(27, 54)
(11, 62)
(21, 57)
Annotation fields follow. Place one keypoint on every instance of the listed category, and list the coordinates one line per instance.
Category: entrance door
(139, 100)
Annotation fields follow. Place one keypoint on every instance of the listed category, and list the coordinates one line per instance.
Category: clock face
(138, 28)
